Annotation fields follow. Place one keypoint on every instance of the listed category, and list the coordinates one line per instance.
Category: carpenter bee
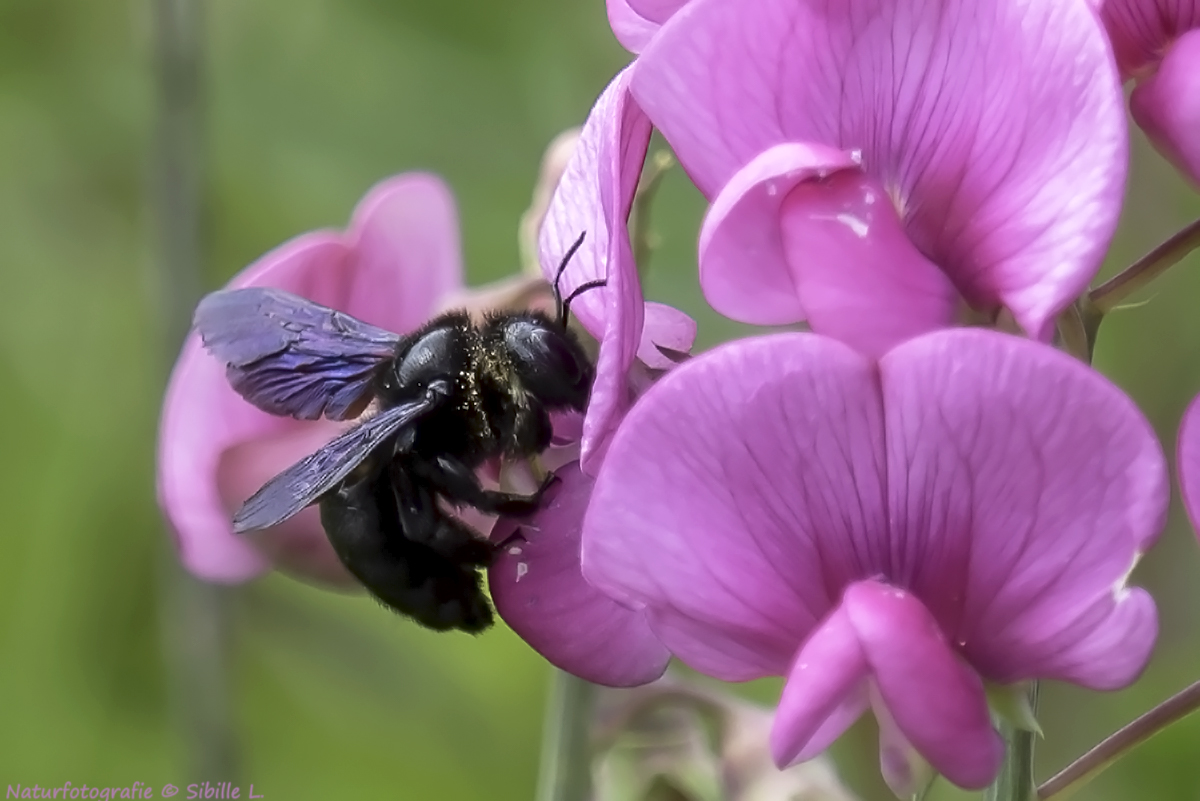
(440, 402)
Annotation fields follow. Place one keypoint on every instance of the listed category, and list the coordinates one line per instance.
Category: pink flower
(872, 164)
(398, 259)
(1157, 44)
(890, 533)
(536, 583)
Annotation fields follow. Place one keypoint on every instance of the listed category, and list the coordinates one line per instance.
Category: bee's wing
(290, 356)
(314, 475)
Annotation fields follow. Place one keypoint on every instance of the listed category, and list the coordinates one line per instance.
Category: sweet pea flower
(536, 582)
(895, 533)
(392, 267)
(875, 164)
(1157, 45)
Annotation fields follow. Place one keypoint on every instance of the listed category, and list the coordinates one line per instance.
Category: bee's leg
(362, 522)
(459, 484)
(423, 521)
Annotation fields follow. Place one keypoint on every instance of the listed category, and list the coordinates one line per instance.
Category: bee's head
(548, 360)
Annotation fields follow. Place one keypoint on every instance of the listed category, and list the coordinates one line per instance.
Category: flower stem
(1015, 780)
(1112, 292)
(194, 616)
(566, 767)
(1116, 745)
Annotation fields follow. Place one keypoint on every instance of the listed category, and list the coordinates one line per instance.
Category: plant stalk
(1121, 742)
(1117, 289)
(1015, 781)
(565, 773)
(193, 615)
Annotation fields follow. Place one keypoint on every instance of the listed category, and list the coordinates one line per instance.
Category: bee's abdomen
(362, 523)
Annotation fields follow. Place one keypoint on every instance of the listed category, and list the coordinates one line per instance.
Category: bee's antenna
(563, 307)
(579, 290)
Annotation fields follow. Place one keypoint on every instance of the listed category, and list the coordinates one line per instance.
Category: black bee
(447, 398)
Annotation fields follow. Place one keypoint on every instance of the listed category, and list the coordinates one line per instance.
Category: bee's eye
(550, 363)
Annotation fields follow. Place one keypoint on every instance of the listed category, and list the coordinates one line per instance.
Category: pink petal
(1188, 461)
(1141, 30)
(903, 768)
(1026, 485)
(634, 22)
(801, 231)
(594, 198)
(734, 490)
(935, 699)
(407, 256)
(824, 694)
(1166, 105)
(539, 590)
(632, 30)
(994, 125)
(743, 261)
(666, 327)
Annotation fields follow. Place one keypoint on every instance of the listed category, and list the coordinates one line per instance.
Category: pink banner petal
(767, 493)
(995, 126)
(1030, 487)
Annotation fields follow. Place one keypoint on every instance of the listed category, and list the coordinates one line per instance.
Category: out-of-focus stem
(639, 219)
(1116, 745)
(193, 615)
(1112, 292)
(1015, 780)
(565, 773)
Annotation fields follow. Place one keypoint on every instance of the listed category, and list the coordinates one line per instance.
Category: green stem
(1015, 780)
(1112, 292)
(194, 616)
(1095, 761)
(565, 773)
(641, 235)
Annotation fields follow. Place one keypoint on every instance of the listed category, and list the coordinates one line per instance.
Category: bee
(439, 403)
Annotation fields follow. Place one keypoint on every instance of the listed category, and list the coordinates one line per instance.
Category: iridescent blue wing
(290, 356)
(308, 479)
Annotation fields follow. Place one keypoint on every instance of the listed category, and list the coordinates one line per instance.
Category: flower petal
(743, 261)
(1141, 30)
(732, 493)
(824, 694)
(995, 125)
(632, 30)
(802, 232)
(1188, 461)
(1166, 105)
(594, 198)
(539, 590)
(936, 700)
(666, 327)
(407, 256)
(1023, 486)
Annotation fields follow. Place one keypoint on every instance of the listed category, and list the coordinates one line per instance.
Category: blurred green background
(307, 103)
